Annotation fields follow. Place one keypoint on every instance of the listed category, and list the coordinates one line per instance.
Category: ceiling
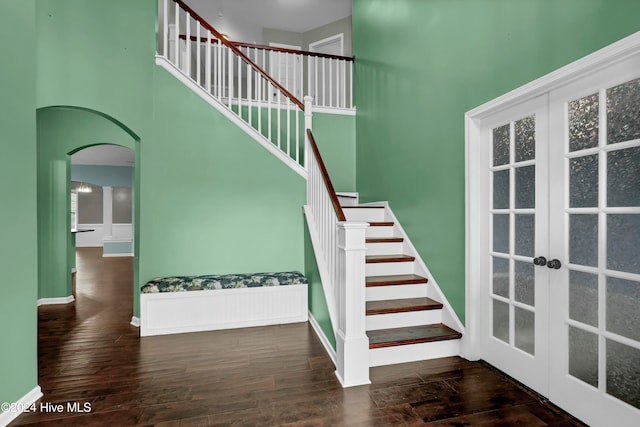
(113, 155)
(291, 15)
(243, 20)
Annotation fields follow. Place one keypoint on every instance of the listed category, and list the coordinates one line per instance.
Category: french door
(561, 286)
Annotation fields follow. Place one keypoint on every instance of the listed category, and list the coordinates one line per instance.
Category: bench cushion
(224, 281)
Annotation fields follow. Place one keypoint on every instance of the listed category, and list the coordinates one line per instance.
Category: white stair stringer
(449, 317)
(222, 108)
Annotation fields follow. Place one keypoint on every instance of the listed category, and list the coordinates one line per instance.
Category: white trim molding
(331, 352)
(17, 408)
(135, 321)
(117, 255)
(59, 300)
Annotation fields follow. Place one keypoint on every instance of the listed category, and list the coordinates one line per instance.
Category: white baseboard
(116, 255)
(25, 401)
(323, 338)
(59, 300)
(135, 321)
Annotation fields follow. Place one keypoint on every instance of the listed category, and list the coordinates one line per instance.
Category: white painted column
(352, 343)
(107, 213)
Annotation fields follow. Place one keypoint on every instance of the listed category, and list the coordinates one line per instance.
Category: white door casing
(611, 396)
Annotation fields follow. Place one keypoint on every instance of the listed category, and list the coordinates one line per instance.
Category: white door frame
(477, 179)
(313, 47)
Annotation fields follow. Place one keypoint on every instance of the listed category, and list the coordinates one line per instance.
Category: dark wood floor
(268, 376)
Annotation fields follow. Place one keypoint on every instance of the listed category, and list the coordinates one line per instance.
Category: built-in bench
(177, 304)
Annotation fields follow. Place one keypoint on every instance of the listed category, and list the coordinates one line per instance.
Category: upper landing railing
(225, 73)
(328, 79)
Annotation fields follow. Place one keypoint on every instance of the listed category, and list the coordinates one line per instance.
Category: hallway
(90, 356)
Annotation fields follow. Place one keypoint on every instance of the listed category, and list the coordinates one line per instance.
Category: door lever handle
(541, 261)
(555, 264)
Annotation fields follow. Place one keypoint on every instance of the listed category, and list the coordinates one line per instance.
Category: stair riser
(386, 231)
(413, 352)
(382, 293)
(394, 248)
(389, 268)
(401, 320)
(364, 214)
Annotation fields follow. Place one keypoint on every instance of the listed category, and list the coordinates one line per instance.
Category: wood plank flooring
(267, 376)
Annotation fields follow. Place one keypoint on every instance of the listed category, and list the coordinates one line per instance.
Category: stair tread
(363, 207)
(398, 279)
(372, 259)
(402, 305)
(381, 223)
(384, 240)
(411, 335)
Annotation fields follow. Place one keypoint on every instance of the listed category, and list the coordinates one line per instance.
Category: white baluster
(289, 126)
(351, 84)
(176, 37)
(315, 93)
(239, 86)
(279, 121)
(198, 70)
(207, 76)
(331, 66)
(268, 87)
(187, 68)
(165, 28)
(230, 78)
(249, 90)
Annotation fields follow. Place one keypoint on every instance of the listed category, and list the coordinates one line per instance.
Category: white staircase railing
(216, 68)
(328, 79)
(340, 253)
(219, 68)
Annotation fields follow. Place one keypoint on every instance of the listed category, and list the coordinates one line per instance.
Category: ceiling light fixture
(84, 188)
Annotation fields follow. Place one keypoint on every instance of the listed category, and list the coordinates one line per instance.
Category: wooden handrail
(273, 48)
(325, 177)
(238, 52)
(298, 52)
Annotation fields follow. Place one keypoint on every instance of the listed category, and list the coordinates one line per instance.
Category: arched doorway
(62, 131)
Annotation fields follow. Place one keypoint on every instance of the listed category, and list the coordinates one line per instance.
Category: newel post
(352, 343)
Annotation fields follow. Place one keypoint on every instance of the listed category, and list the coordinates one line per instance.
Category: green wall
(317, 299)
(213, 199)
(18, 245)
(209, 198)
(420, 65)
(336, 139)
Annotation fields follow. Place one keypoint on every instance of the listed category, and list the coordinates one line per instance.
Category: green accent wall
(209, 199)
(317, 299)
(18, 245)
(336, 138)
(213, 199)
(420, 65)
